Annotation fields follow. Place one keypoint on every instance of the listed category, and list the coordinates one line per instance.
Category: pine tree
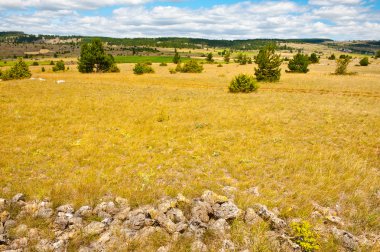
(177, 57)
(227, 56)
(299, 63)
(268, 64)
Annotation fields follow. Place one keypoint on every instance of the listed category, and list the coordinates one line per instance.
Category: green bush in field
(20, 70)
(93, 58)
(59, 66)
(364, 61)
(141, 68)
(314, 58)
(51, 63)
(305, 236)
(191, 66)
(42, 69)
(332, 57)
(35, 63)
(163, 64)
(243, 83)
(268, 64)
(210, 58)
(299, 63)
(341, 65)
(242, 59)
(227, 56)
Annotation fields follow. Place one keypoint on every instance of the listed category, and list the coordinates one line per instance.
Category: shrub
(332, 57)
(305, 236)
(191, 66)
(343, 56)
(163, 64)
(52, 63)
(219, 65)
(20, 70)
(148, 63)
(172, 71)
(209, 57)
(268, 64)
(113, 69)
(243, 83)
(177, 57)
(242, 59)
(314, 58)
(364, 61)
(141, 68)
(93, 58)
(227, 57)
(59, 66)
(43, 69)
(377, 55)
(341, 65)
(299, 63)
(35, 63)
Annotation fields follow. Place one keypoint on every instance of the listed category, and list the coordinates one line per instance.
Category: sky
(212, 19)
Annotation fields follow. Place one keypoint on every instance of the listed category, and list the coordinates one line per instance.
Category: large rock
(166, 205)
(176, 215)
(219, 227)
(213, 198)
(106, 209)
(201, 211)
(226, 210)
(198, 246)
(84, 211)
(18, 197)
(138, 219)
(251, 217)
(65, 209)
(94, 228)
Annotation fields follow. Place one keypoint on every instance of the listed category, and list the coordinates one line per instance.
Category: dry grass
(312, 137)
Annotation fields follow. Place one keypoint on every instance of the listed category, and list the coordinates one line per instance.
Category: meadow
(311, 137)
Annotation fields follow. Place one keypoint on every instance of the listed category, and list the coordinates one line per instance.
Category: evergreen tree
(227, 56)
(377, 55)
(299, 63)
(93, 58)
(364, 61)
(314, 58)
(177, 57)
(268, 64)
(209, 57)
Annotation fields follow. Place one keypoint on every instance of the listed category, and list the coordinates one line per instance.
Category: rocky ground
(113, 225)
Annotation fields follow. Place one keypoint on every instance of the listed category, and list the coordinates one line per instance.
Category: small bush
(314, 58)
(43, 69)
(148, 63)
(52, 63)
(191, 66)
(305, 236)
(219, 65)
(377, 55)
(332, 57)
(343, 56)
(243, 83)
(172, 71)
(299, 64)
(163, 64)
(140, 69)
(35, 63)
(341, 65)
(210, 58)
(20, 70)
(242, 59)
(59, 66)
(113, 69)
(364, 61)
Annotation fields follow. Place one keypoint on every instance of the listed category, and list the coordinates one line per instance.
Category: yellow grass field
(311, 137)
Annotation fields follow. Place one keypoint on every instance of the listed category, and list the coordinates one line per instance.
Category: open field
(310, 137)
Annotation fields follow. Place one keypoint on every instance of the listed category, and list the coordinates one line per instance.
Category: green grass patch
(144, 59)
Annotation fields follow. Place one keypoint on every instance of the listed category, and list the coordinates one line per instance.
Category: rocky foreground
(112, 225)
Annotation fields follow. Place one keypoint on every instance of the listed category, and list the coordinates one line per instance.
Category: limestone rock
(226, 210)
(84, 211)
(348, 240)
(251, 217)
(227, 245)
(106, 209)
(265, 214)
(220, 227)
(198, 246)
(213, 198)
(94, 228)
(65, 209)
(18, 197)
(201, 211)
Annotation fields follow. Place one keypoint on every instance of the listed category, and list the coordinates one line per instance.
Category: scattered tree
(243, 83)
(332, 57)
(377, 55)
(93, 58)
(43, 69)
(177, 57)
(227, 56)
(364, 61)
(59, 66)
(341, 65)
(35, 63)
(314, 58)
(299, 63)
(191, 66)
(268, 64)
(20, 70)
(209, 58)
(242, 59)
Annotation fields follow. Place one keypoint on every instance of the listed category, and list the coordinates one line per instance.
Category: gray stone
(44, 213)
(84, 211)
(163, 249)
(44, 246)
(219, 227)
(19, 243)
(18, 197)
(94, 228)
(201, 211)
(226, 210)
(213, 198)
(65, 209)
(176, 215)
(9, 224)
(274, 221)
(254, 191)
(106, 207)
(166, 205)
(123, 214)
(136, 219)
(198, 246)
(166, 223)
(227, 245)
(58, 245)
(123, 203)
(348, 240)
(251, 217)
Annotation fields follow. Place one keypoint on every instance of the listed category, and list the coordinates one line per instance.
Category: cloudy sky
(228, 19)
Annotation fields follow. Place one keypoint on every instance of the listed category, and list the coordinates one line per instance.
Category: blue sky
(229, 19)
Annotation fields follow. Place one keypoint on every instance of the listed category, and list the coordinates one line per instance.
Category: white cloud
(335, 2)
(279, 19)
